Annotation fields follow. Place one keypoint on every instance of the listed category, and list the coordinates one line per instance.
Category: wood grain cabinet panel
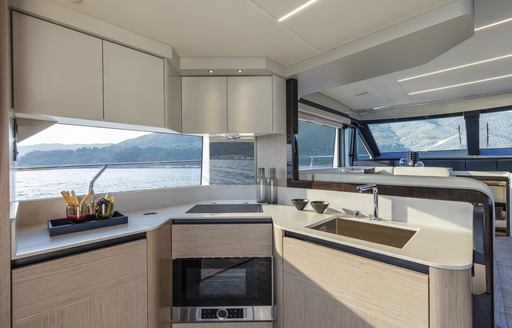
(331, 289)
(133, 86)
(105, 288)
(159, 277)
(450, 298)
(221, 240)
(56, 71)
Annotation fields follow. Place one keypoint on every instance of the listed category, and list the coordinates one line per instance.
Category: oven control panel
(222, 314)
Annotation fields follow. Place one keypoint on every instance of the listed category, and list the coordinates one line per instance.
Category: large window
(316, 143)
(232, 161)
(65, 157)
(427, 135)
(495, 130)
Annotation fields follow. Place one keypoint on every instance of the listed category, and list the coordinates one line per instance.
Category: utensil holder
(78, 213)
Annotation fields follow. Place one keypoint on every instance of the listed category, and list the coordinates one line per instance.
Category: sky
(73, 134)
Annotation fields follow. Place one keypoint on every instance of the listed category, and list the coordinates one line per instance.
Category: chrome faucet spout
(375, 191)
(91, 184)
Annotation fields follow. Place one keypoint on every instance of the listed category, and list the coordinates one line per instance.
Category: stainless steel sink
(375, 233)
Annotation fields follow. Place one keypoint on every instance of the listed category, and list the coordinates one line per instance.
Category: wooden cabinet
(105, 288)
(56, 71)
(234, 104)
(159, 277)
(221, 240)
(204, 105)
(133, 86)
(250, 104)
(329, 288)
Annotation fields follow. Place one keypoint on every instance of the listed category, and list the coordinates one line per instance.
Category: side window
(316, 143)
(232, 162)
(66, 157)
(362, 153)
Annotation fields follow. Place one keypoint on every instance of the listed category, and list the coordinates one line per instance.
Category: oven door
(222, 282)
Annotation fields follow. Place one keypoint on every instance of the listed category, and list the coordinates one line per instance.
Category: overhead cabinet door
(250, 104)
(56, 71)
(204, 106)
(133, 86)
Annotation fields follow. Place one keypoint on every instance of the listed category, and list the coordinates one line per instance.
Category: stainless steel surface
(91, 184)
(372, 232)
(251, 313)
(375, 191)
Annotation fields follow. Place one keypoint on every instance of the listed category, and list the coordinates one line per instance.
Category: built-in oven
(222, 289)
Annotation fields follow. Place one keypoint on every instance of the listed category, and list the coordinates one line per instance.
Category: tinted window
(316, 145)
(65, 157)
(361, 152)
(232, 162)
(421, 135)
(495, 130)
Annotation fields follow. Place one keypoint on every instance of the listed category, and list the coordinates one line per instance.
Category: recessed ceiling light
(462, 84)
(456, 67)
(240, 71)
(296, 10)
(493, 24)
(210, 71)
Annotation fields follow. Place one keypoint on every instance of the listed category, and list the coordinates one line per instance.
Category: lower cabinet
(105, 288)
(327, 288)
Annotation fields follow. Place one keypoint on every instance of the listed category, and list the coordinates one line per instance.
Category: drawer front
(221, 240)
(106, 286)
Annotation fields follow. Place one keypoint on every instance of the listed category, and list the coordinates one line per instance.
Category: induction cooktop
(225, 208)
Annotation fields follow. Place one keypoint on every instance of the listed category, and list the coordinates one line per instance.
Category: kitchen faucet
(375, 191)
(91, 184)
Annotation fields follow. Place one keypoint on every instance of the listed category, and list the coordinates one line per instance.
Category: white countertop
(442, 248)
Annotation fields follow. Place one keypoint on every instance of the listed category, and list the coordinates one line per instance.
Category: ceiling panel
(331, 23)
(360, 95)
(484, 44)
(280, 8)
(489, 88)
(469, 74)
(198, 28)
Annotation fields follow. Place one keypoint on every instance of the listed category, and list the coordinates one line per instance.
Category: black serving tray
(58, 227)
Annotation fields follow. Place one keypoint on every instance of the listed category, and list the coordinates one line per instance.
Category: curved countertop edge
(38, 242)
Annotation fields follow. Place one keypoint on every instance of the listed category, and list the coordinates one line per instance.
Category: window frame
(112, 165)
(338, 145)
(438, 154)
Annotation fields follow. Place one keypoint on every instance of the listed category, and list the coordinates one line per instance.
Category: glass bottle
(261, 186)
(271, 186)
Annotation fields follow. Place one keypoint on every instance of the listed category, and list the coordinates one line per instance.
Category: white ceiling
(386, 91)
(249, 28)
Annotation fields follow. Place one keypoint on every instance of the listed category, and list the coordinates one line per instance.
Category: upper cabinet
(204, 105)
(250, 104)
(234, 104)
(56, 71)
(133, 86)
(64, 73)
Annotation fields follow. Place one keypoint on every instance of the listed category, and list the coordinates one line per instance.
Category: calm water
(36, 184)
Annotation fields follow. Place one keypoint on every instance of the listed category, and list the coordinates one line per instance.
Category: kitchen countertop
(441, 248)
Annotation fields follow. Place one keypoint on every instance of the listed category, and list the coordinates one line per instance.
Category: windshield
(425, 135)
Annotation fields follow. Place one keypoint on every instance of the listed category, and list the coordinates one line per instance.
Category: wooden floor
(503, 295)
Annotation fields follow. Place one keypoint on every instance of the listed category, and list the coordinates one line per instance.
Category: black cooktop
(226, 208)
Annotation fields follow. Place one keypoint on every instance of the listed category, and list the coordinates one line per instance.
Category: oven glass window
(222, 282)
